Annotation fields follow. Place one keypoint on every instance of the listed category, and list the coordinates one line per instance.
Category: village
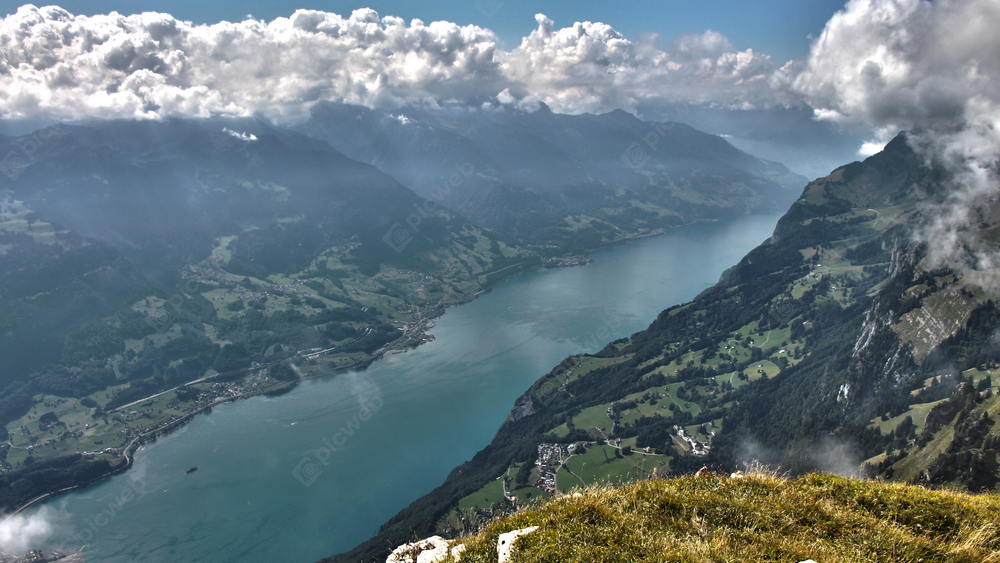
(128, 425)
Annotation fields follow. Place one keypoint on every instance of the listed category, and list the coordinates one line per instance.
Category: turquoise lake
(267, 491)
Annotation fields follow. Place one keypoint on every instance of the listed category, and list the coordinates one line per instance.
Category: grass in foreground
(755, 518)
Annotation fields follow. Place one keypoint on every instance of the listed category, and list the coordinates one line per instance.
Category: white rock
(430, 550)
(505, 543)
(457, 551)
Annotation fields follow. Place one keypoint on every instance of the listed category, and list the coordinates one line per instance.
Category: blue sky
(779, 28)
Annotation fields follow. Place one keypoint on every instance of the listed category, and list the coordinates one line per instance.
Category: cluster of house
(37, 556)
(697, 446)
(550, 455)
(546, 481)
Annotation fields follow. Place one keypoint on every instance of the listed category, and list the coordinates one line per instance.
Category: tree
(282, 371)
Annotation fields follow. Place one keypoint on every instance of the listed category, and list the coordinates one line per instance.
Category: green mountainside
(833, 346)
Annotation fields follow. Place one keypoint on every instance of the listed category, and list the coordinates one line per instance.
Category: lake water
(314, 472)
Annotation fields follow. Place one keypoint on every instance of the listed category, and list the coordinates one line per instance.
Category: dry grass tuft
(759, 517)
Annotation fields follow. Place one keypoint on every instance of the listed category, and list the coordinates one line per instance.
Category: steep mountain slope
(570, 180)
(809, 354)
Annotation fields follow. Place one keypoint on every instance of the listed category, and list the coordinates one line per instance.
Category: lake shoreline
(409, 342)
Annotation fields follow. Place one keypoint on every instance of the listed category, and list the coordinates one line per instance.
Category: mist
(24, 532)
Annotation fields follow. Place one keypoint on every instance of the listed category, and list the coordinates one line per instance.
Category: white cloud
(869, 148)
(241, 136)
(933, 68)
(57, 65)
(21, 533)
(592, 67)
(905, 63)
(62, 66)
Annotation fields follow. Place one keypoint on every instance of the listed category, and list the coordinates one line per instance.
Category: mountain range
(552, 178)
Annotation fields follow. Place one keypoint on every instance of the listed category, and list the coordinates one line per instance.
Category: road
(157, 395)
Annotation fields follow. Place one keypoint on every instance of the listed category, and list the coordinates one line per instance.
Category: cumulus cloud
(592, 67)
(61, 66)
(934, 69)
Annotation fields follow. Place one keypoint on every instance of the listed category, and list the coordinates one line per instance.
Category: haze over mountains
(523, 173)
(100, 216)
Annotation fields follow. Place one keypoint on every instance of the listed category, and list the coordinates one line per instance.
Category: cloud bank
(57, 65)
(934, 69)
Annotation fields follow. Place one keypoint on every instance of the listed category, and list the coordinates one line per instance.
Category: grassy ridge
(755, 518)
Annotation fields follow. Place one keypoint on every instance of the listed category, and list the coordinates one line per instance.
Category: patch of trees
(283, 371)
(232, 357)
(872, 252)
(972, 456)
(187, 394)
(49, 418)
(377, 336)
(19, 486)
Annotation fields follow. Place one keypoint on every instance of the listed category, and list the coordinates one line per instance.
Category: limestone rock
(430, 550)
(505, 543)
(522, 408)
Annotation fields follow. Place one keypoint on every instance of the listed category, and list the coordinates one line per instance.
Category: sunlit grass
(756, 518)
